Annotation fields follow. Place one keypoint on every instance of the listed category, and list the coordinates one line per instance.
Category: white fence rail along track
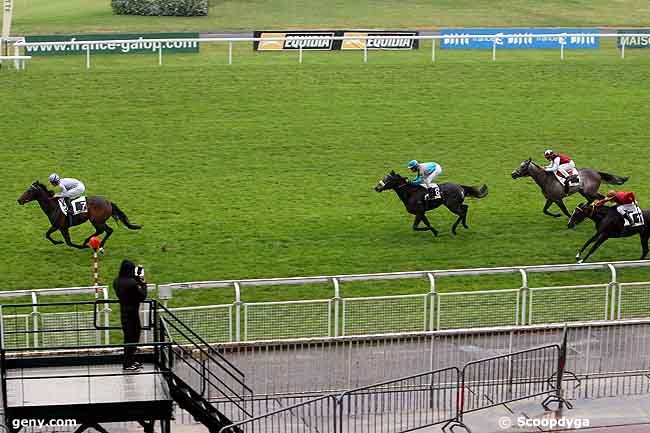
(343, 316)
(159, 43)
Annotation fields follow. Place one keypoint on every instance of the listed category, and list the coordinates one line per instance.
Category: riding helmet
(412, 164)
(54, 178)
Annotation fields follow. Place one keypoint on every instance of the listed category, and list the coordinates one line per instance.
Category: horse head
(391, 181)
(522, 170)
(36, 191)
(581, 213)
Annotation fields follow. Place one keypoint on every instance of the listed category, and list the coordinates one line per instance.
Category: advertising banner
(634, 41)
(518, 38)
(312, 40)
(97, 44)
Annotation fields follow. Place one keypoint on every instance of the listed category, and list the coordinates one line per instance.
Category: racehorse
(609, 224)
(412, 196)
(99, 210)
(554, 191)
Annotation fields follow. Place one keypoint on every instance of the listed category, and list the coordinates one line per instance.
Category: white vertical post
(35, 317)
(524, 293)
(107, 321)
(622, 48)
(494, 49)
(432, 298)
(300, 54)
(16, 53)
(160, 55)
(337, 300)
(237, 311)
(88, 57)
(230, 52)
(614, 284)
(433, 50)
(562, 42)
(365, 51)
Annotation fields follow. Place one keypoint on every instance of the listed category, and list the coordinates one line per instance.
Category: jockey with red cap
(625, 201)
(559, 162)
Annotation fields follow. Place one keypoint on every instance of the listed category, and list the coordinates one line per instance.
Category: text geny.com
(40, 423)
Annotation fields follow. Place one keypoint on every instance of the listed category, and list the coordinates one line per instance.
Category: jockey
(427, 171)
(559, 162)
(70, 189)
(625, 201)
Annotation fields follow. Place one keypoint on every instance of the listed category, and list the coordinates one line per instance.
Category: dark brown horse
(99, 211)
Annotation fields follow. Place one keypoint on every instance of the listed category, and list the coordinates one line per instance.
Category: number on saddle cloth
(433, 193)
(636, 215)
(79, 205)
(573, 178)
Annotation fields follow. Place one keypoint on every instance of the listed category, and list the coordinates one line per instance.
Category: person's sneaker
(132, 367)
(137, 364)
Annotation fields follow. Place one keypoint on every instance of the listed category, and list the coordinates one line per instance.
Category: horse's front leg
(426, 223)
(48, 235)
(584, 247)
(600, 239)
(563, 208)
(548, 204)
(68, 241)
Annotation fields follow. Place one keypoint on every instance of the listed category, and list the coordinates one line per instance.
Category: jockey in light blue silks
(427, 171)
(70, 189)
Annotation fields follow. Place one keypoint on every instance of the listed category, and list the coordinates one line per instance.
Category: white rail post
(88, 56)
(230, 52)
(615, 312)
(160, 55)
(365, 51)
(494, 49)
(432, 300)
(237, 311)
(524, 296)
(300, 54)
(35, 317)
(562, 42)
(622, 48)
(2, 328)
(337, 300)
(16, 53)
(107, 321)
(433, 50)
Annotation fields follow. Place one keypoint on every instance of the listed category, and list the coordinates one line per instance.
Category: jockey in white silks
(70, 189)
(559, 163)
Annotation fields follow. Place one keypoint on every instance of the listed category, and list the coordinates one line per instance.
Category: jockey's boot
(68, 203)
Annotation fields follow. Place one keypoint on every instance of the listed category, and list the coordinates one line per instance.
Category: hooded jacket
(130, 291)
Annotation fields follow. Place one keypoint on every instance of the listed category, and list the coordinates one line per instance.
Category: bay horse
(555, 192)
(99, 211)
(609, 224)
(412, 196)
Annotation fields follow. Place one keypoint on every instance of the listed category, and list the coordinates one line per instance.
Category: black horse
(413, 197)
(100, 210)
(609, 224)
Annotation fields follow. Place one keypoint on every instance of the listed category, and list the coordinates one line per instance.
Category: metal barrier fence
(158, 44)
(344, 316)
(425, 399)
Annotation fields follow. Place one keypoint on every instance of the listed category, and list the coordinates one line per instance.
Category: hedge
(184, 8)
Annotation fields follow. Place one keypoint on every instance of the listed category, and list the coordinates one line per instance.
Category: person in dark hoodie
(131, 289)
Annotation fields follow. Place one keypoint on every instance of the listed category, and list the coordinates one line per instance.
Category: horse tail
(612, 179)
(471, 191)
(120, 216)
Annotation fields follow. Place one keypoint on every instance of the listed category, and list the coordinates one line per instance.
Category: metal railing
(433, 309)
(158, 44)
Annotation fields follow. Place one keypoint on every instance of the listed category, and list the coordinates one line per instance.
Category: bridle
(382, 183)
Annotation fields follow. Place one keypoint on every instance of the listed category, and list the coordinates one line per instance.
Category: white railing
(429, 310)
(157, 44)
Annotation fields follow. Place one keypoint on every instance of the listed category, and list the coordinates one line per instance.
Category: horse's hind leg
(461, 211)
(109, 232)
(66, 236)
(48, 235)
(98, 231)
(465, 209)
(644, 243)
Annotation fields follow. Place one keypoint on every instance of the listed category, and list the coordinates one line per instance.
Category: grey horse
(555, 192)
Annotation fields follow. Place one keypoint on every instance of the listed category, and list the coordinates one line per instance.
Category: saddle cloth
(573, 174)
(437, 194)
(635, 213)
(78, 206)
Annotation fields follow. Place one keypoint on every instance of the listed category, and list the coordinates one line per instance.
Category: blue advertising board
(518, 38)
